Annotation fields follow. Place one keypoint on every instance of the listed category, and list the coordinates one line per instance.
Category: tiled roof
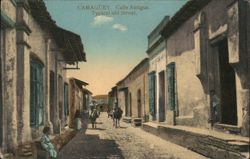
(180, 17)
(70, 43)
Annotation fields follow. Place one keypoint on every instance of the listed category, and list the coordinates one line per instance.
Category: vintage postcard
(125, 79)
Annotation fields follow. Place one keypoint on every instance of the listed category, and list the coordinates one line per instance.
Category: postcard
(124, 79)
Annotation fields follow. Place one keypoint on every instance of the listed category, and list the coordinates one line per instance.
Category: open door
(227, 86)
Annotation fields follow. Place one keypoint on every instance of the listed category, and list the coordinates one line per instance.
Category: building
(157, 73)
(133, 92)
(207, 79)
(35, 53)
(113, 97)
(78, 98)
(208, 65)
(101, 102)
(87, 98)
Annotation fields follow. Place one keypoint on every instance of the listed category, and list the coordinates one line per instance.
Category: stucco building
(133, 92)
(207, 63)
(77, 97)
(101, 102)
(207, 57)
(34, 57)
(113, 97)
(157, 73)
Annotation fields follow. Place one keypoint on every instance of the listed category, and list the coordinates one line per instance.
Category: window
(36, 93)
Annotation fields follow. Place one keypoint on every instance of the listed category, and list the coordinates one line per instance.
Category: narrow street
(125, 142)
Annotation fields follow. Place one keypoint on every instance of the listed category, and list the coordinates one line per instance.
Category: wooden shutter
(36, 94)
(40, 94)
(171, 85)
(152, 84)
(32, 95)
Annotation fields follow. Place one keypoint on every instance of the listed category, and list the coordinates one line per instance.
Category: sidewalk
(206, 142)
(59, 140)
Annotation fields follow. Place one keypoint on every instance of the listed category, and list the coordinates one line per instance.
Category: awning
(70, 43)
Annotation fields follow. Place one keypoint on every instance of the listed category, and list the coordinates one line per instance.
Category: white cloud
(120, 27)
(101, 19)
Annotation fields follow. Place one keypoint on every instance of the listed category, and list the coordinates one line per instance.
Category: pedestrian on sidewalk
(46, 143)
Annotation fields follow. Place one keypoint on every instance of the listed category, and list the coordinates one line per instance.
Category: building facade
(157, 73)
(102, 102)
(113, 98)
(208, 65)
(34, 55)
(78, 98)
(133, 92)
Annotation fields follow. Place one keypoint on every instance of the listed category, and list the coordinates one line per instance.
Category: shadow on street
(90, 146)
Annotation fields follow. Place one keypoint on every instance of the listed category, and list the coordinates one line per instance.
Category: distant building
(34, 88)
(101, 102)
(112, 97)
(133, 91)
(87, 98)
(79, 97)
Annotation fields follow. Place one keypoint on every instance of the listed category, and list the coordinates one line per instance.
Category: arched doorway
(139, 103)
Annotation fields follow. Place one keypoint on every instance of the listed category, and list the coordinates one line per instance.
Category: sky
(113, 32)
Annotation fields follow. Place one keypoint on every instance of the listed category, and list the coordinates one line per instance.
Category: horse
(117, 115)
(93, 117)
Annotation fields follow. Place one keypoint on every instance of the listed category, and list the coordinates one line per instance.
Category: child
(46, 144)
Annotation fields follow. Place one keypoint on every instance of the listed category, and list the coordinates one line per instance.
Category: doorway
(130, 103)
(139, 103)
(161, 96)
(52, 95)
(60, 97)
(126, 102)
(1, 104)
(1, 90)
(227, 86)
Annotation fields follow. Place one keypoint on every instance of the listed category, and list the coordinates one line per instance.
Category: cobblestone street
(125, 142)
